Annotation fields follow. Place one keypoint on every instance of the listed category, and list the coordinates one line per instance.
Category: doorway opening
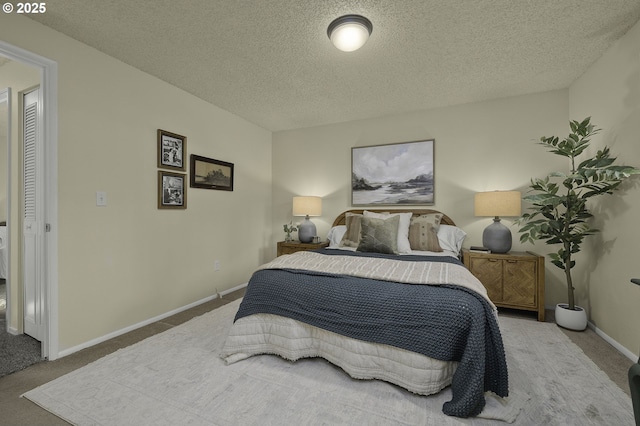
(46, 170)
(18, 350)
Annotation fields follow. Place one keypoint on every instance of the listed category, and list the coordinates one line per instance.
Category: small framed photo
(172, 190)
(172, 151)
(208, 173)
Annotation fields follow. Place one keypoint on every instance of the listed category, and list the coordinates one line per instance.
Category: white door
(33, 224)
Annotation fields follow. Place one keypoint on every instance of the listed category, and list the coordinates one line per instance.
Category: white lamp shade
(350, 32)
(498, 203)
(307, 206)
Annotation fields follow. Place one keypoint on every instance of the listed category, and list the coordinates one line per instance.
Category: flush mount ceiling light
(349, 32)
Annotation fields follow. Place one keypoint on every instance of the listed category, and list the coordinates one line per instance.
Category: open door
(32, 221)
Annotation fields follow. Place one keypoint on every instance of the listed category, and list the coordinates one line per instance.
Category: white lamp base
(306, 231)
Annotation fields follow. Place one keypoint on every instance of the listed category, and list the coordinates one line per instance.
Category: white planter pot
(571, 319)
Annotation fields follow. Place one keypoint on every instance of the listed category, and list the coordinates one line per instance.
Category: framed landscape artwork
(208, 173)
(393, 174)
(172, 190)
(172, 151)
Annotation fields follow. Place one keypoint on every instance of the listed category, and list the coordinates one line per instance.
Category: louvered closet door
(33, 228)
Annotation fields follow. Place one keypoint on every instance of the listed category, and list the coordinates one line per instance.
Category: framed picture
(211, 174)
(394, 174)
(172, 190)
(172, 151)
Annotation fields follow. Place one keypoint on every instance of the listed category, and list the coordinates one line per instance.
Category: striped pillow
(423, 232)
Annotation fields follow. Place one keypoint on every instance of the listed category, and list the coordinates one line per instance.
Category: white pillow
(335, 235)
(403, 229)
(451, 238)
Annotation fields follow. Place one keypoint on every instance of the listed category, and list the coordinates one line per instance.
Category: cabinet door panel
(519, 283)
(489, 272)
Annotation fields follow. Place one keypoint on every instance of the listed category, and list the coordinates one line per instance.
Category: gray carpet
(176, 377)
(16, 352)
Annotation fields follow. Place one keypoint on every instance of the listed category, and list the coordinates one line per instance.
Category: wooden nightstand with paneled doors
(513, 280)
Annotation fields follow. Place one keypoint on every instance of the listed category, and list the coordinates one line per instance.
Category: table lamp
(307, 206)
(497, 237)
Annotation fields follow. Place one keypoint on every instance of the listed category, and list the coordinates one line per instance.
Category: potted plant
(559, 213)
(288, 229)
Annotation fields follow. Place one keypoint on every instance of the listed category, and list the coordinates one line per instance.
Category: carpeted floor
(160, 381)
(16, 352)
(19, 411)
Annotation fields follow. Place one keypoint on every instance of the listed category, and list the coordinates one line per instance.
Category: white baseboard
(231, 290)
(624, 351)
(13, 330)
(120, 332)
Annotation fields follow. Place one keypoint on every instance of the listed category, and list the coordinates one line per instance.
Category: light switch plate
(101, 199)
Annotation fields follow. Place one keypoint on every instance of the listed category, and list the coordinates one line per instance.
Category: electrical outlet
(216, 265)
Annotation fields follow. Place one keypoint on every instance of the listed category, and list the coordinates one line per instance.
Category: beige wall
(478, 147)
(128, 262)
(18, 77)
(609, 92)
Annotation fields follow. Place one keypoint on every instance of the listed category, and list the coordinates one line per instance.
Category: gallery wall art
(208, 173)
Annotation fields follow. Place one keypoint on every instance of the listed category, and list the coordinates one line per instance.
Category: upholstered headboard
(340, 220)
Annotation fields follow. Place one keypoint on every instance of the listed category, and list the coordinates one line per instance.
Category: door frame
(49, 87)
(5, 96)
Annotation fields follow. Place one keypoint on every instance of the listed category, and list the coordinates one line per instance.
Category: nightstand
(513, 280)
(294, 246)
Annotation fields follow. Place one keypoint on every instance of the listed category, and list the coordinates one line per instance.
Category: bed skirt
(293, 340)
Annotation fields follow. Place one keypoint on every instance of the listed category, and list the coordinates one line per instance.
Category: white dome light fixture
(349, 32)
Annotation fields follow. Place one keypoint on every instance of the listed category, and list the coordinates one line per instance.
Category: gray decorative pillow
(423, 232)
(379, 235)
(351, 237)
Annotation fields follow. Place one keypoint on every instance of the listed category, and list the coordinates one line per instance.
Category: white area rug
(177, 378)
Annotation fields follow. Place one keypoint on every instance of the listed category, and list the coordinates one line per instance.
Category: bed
(378, 305)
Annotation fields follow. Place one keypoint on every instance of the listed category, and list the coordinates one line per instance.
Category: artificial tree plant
(559, 213)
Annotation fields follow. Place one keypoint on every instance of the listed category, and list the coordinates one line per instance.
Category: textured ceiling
(271, 62)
